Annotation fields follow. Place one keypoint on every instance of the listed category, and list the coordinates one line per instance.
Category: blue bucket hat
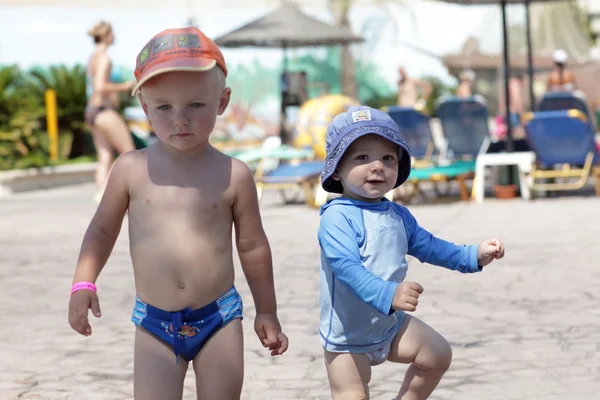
(346, 127)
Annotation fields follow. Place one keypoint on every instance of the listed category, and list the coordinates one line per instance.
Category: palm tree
(19, 133)
(340, 10)
(70, 87)
(11, 99)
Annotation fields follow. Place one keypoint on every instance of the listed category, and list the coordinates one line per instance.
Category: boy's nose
(181, 121)
(377, 166)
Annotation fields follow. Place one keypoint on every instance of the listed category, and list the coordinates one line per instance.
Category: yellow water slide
(313, 118)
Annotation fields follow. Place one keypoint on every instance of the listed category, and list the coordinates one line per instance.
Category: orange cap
(184, 49)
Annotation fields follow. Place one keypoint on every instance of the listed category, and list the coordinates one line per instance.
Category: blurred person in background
(467, 81)
(109, 130)
(560, 79)
(517, 108)
(412, 92)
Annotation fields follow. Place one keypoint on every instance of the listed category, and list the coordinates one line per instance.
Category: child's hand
(406, 296)
(489, 250)
(268, 329)
(80, 302)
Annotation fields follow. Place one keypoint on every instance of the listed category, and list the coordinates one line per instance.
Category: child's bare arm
(105, 226)
(255, 257)
(251, 240)
(98, 243)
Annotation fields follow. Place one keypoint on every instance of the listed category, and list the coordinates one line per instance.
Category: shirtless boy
(183, 198)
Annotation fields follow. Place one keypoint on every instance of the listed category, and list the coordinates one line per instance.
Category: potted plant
(504, 189)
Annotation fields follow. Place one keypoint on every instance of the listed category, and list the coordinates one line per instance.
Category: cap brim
(181, 64)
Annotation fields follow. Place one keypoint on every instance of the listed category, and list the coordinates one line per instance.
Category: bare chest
(192, 196)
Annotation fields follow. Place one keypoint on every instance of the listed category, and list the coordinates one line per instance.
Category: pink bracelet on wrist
(83, 285)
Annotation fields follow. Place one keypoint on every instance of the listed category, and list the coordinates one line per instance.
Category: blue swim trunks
(193, 327)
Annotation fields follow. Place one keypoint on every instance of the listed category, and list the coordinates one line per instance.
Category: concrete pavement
(526, 328)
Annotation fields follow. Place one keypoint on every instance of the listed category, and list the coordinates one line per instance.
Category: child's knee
(442, 355)
(445, 356)
(436, 356)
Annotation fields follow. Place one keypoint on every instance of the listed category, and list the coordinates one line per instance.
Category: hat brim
(196, 64)
(333, 158)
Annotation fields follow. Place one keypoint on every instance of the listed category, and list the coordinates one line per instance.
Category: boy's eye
(361, 157)
(197, 105)
(389, 158)
(164, 107)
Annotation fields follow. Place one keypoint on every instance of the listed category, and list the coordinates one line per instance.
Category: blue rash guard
(363, 260)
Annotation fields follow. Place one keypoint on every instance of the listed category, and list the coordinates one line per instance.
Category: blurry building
(553, 26)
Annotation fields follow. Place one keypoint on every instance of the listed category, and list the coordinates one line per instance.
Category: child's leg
(156, 374)
(219, 366)
(427, 351)
(349, 375)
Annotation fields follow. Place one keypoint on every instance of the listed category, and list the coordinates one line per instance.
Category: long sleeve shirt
(363, 260)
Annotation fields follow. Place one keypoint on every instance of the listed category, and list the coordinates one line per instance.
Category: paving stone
(528, 327)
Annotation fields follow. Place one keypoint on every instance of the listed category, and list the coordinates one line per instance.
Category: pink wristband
(83, 285)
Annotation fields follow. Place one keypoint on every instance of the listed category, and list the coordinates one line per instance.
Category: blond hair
(99, 30)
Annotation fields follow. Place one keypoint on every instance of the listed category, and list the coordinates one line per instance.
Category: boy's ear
(336, 175)
(224, 101)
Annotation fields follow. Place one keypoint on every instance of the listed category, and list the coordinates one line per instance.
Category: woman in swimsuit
(109, 130)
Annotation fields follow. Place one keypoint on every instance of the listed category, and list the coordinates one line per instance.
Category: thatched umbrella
(286, 27)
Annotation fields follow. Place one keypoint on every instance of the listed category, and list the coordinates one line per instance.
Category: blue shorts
(193, 327)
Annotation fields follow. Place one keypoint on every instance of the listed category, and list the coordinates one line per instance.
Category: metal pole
(284, 88)
(509, 138)
(284, 91)
(52, 123)
(529, 56)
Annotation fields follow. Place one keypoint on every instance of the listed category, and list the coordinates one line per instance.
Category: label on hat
(362, 115)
